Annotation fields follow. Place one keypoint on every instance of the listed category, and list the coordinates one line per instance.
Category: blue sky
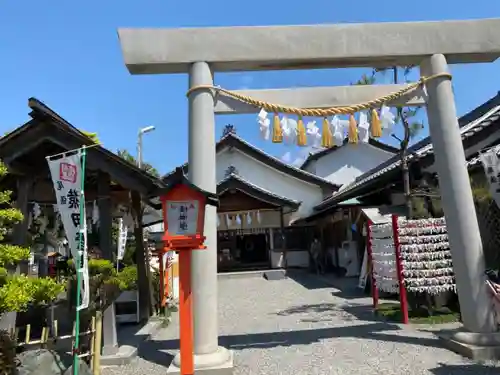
(67, 54)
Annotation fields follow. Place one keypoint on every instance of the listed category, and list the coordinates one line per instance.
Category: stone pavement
(305, 325)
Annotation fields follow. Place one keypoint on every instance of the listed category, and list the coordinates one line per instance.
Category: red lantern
(184, 220)
(184, 213)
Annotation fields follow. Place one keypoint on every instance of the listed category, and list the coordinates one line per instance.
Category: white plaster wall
(343, 165)
(270, 179)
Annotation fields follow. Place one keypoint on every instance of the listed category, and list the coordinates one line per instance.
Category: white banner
(66, 172)
(491, 164)
(122, 239)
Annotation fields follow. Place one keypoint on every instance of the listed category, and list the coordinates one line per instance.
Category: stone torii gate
(432, 45)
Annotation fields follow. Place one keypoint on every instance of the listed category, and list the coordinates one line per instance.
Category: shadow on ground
(308, 280)
(155, 351)
(472, 369)
(344, 287)
(131, 334)
(324, 312)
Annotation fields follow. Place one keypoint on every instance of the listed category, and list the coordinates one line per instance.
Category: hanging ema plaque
(182, 217)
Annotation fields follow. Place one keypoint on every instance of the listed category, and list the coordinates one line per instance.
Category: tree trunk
(145, 310)
(406, 185)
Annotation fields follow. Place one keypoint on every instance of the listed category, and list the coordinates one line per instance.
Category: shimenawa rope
(319, 112)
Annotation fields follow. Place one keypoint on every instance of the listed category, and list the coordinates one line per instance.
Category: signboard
(182, 217)
(66, 173)
(122, 239)
(491, 165)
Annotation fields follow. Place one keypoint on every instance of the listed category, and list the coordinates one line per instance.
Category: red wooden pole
(370, 262)
(185, 313)
(399, 269)
(166, 283)
(162, 278)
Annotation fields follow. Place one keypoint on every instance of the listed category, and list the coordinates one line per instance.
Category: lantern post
(183, 206)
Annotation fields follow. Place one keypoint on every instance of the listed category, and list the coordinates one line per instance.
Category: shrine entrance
(202, 52)
(248, 220)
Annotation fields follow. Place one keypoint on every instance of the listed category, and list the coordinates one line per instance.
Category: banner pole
(81, 240)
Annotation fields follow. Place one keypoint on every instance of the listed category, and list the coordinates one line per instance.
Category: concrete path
(304, 325)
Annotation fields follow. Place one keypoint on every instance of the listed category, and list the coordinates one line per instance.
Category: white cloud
(287, 157)
(298, 155)
(298, 162)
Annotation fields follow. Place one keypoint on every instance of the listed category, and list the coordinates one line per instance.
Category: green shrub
(106, 283)
(20, 291)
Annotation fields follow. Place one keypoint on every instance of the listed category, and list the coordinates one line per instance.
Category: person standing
(316, 256)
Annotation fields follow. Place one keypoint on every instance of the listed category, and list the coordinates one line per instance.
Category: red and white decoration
(410, 255)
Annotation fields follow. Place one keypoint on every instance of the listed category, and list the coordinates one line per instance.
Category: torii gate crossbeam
(201, 52)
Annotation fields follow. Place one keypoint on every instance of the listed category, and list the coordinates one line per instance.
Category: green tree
(17, 292)
(144, 277)
(124, 154)
(407, 117)
(92, 136)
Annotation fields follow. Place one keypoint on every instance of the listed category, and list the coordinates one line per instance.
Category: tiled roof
(233, 140)
(472, 123)
(234, 181)
(321, 153)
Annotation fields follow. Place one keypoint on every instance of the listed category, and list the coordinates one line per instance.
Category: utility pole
(145, 246)
(142, 131)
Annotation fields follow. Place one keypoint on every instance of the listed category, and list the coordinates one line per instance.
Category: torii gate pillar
(456, 196)
(201, 158)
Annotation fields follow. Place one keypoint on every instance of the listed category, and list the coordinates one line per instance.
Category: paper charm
(258, 217)
(57, 214)
(95, 213)
(249, 219)
(238, 219)
(337, 131)
(36, 211)
(128, 220)
(43, 224)
(387, 120)
(264, 123)
(313, 133)
(363, 128)
(289, 126)
(228, 221)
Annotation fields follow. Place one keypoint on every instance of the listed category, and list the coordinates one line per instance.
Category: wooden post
(110, 337)
(186, 313)
(370, 263)
(161, 278)
(92, 344)
(96, 359)
(283, 240)
(399, 269)
(143, 283)
(165, 279)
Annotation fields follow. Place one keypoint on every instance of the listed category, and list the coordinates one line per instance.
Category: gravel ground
(302, 325)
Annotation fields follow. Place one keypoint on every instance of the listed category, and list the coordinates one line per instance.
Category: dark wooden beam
(109, 335)
(26, 142)
(145, 310)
